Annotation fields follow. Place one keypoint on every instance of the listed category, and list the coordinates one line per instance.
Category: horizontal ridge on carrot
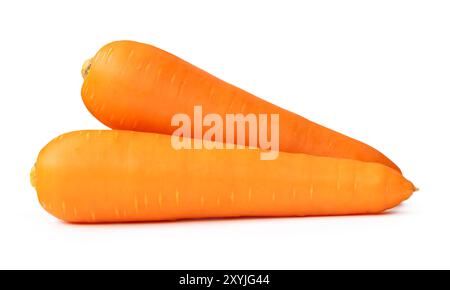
(125, 176)
(134, 86)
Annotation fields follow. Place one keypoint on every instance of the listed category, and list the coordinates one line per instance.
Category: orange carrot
(124, 176)
(134, 86)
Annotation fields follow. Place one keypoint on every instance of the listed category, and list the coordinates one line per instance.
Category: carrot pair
(124, 176)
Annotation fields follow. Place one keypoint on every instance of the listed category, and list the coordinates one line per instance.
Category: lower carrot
(122, 176)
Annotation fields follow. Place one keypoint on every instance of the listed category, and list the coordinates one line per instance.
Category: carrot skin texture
(124, 176)
(135, 86)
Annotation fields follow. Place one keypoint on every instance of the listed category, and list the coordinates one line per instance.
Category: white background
(376, 70)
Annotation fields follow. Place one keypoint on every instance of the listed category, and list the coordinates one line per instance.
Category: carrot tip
(33, 176)
(86, 67)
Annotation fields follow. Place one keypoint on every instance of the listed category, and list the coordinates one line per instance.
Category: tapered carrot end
(86, 67)
(400, 189)
(33, 176)
(409, 189)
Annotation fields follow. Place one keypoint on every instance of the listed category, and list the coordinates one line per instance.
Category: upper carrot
(123, 176)
(135, 86)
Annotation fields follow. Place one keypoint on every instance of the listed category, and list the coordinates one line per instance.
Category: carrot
(125, 176)
(134, 86)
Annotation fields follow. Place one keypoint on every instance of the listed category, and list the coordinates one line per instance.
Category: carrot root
(135, 86)
(123, 176)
